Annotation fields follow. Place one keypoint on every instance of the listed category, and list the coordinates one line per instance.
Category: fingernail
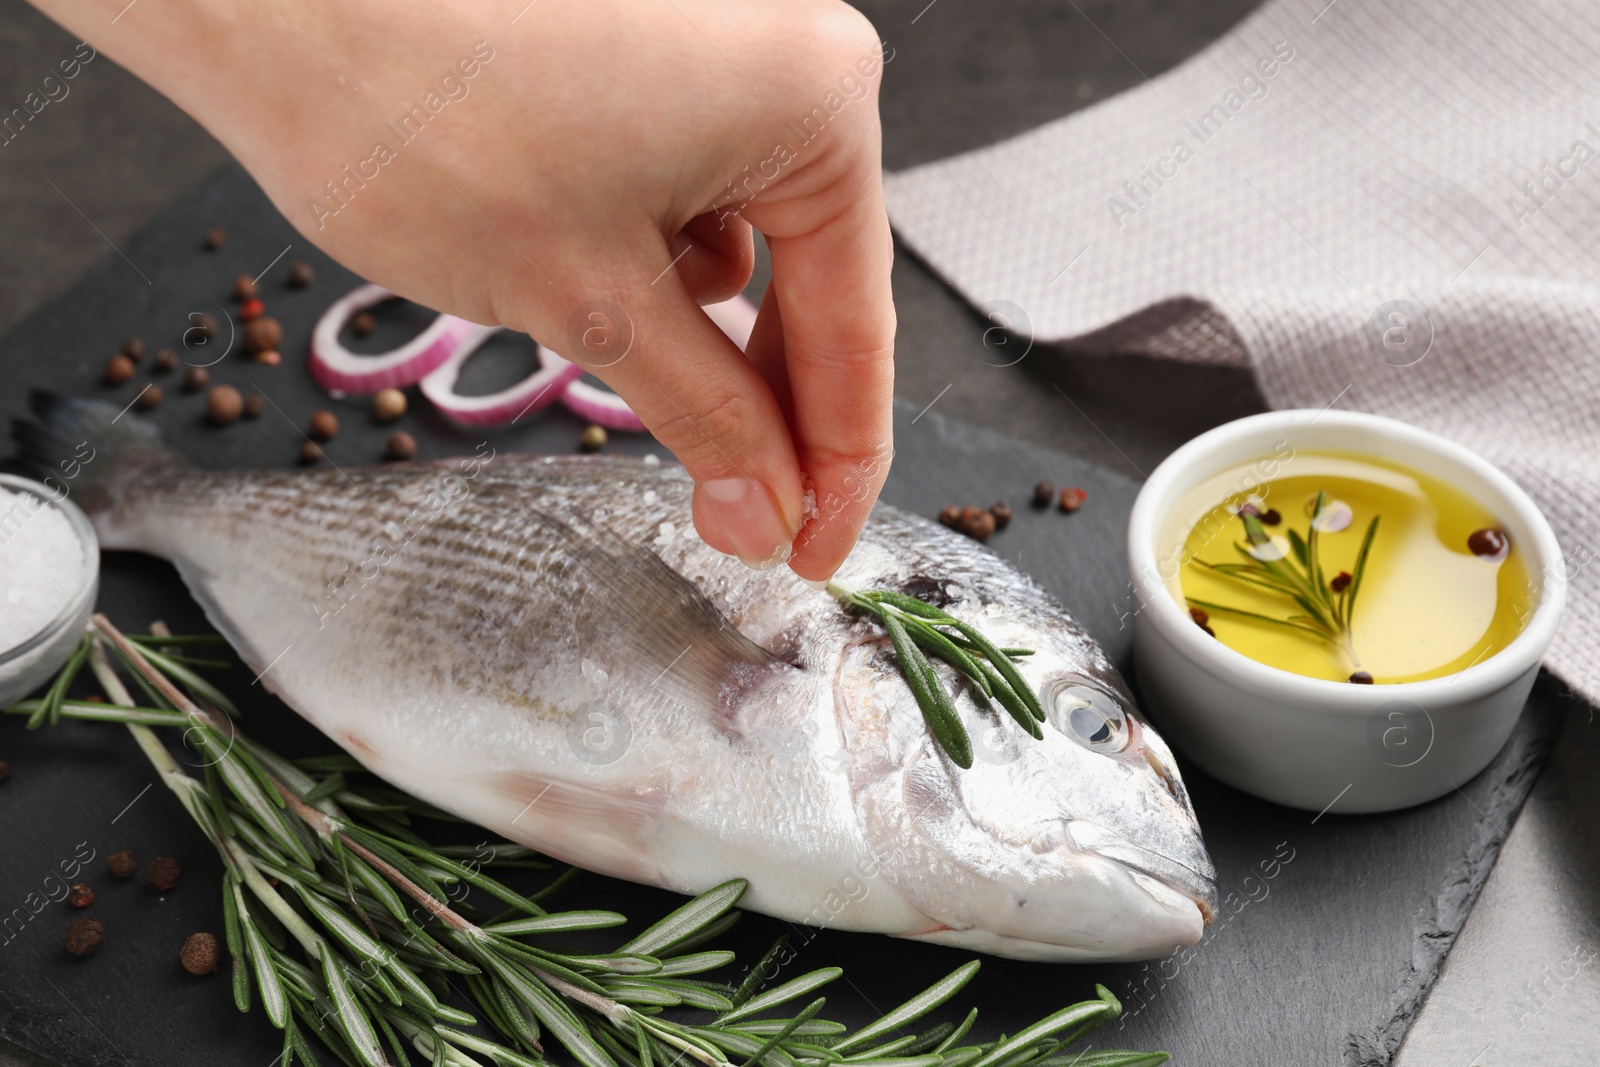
(749, 516)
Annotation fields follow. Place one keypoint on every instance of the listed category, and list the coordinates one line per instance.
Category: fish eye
(1089, 715)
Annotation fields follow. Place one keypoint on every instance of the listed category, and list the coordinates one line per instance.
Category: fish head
(1079, 844)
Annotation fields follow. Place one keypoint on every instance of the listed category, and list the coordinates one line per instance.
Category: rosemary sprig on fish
(542, 646)
(916, 627)
(348, 928)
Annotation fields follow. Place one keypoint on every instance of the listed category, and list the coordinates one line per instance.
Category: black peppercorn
(262, 335)
(976, 524)
(324, 425)
(224, 405)
(199, 953)
(85, 937)
(164, 872)
(1488, 543)
(119, 368)
(400, 445)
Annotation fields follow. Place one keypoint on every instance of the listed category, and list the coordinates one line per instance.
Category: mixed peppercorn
(980, 524)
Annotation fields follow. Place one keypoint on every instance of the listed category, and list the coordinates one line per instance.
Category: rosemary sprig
(349, 927)
(1326, 606)
(918, 629)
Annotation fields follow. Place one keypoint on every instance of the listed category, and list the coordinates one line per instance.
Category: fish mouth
(1199, 886)
(1169, 779)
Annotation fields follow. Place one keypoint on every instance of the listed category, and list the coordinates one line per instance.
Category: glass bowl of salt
(49, 575)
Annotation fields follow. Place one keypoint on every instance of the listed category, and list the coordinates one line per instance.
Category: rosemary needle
(918, 629)
(351, 931)
(1326, 608)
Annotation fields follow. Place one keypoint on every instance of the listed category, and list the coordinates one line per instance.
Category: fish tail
(88, 449)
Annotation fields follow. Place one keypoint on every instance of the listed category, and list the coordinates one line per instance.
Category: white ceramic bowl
(30, 664)
(1307, 742)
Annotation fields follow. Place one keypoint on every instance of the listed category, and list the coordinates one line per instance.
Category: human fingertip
(747, 514)
(814, 572)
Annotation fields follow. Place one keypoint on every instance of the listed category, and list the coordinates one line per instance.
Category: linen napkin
(1385, 205)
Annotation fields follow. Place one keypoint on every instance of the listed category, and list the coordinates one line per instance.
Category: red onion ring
(736, 317)
(538, 390)
(335, 367)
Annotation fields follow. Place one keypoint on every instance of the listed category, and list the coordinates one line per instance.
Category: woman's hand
(589, 171)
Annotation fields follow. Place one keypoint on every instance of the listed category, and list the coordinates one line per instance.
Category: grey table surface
(1520, 985)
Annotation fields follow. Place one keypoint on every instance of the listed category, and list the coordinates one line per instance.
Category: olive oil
(1439, 588)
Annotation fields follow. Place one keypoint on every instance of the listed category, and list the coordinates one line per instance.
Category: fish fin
(676, 632)
(85, 446)
(593, 828)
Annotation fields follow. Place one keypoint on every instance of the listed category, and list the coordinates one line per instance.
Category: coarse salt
(41, 566)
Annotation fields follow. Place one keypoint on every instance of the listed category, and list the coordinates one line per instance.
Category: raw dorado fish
(543, 646)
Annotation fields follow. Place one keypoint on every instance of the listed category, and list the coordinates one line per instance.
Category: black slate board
(1323, 962)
